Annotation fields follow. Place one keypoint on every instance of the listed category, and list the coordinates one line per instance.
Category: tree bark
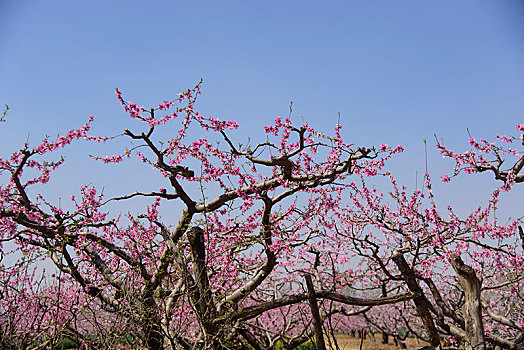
(470, 284)
(317, 321)
(153, 335)
(203, 297)
(385, 335)
(422, 304)
(250, 312)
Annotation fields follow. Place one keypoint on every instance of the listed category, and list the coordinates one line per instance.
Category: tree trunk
(153, 335)
(385, 338)
(317, 322)
(470, 284)
(422, 304)
(385, 335)
(203, 299)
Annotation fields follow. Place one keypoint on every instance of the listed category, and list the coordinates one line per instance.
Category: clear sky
(397, 71)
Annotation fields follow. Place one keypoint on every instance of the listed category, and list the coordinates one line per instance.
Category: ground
(347, 342)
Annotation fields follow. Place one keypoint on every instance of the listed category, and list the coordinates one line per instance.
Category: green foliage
(65, 343)
(401, 332)
(309, 345)
(4, 113)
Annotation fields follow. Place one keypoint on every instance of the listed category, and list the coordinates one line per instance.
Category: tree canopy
(277, 240)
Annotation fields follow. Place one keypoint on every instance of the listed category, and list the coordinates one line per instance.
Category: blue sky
(397, 71)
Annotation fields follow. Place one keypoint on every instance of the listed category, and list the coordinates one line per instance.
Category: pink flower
(445, 178)
(398, 149)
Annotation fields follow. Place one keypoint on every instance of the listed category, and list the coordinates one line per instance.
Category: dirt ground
(347, 342)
